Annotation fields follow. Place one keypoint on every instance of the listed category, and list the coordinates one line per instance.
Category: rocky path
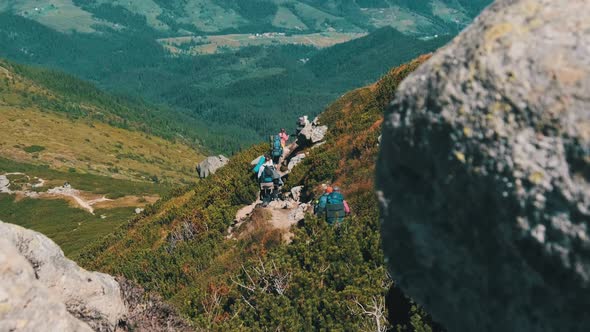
(76, 195)
(83, 200)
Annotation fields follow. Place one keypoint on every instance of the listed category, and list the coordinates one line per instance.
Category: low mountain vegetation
(114, 155)
(60, 217)
(326, 278)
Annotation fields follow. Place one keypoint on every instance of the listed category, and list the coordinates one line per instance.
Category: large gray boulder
(484, 173)
(25, 303)
(312, 133)
(93, 298)
(296, 160)
(210, 165)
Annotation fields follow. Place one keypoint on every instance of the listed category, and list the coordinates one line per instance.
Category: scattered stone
(484, 173)
(210, 165)
(286, 204)
(139, 210)
(4, 185)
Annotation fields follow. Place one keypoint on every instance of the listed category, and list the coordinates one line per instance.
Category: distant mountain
(225, 16)
(364, 59)
(229, 72)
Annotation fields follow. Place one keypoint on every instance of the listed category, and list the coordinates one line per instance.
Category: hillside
(180, 250)
(52, 119)
(115, 155)
(251, 50)
(218, 16)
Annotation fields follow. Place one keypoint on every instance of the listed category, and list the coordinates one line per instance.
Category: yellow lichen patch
(531, 7)
(497, 32)
(499, 107)
(460, 156)
(5, 307)
(536, 177)
(467, 132)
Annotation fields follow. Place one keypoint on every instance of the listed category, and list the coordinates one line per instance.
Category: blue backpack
(335, 211)
(277, 148)
(268, 174)
(335, 198)
(261, 161)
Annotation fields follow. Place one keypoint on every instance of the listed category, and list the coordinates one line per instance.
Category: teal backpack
(261, 161)
(335, 198)
(268, 174)
(335, 208)
(277, 148)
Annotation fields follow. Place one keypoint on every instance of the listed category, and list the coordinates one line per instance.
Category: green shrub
(34, 148)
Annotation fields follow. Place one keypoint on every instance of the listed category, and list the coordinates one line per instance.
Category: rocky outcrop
(484, 173)
(34, 270)
(210, 165)
(25, 303)
(296, 160)
(296, 193)
(312, 133)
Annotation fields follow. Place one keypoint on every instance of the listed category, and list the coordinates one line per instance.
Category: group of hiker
(330, 205)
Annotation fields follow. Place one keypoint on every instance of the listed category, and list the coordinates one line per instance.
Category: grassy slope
(60, 129)
(73, 125)
(179, 249)
(71, 227)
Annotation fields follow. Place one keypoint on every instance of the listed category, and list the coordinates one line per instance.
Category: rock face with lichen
(484, 173)
(42, 290)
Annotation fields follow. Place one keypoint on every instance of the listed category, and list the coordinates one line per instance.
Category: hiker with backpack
(270, 181)
(336, 207)
(284, 137)
(276, 149)
(320, 206)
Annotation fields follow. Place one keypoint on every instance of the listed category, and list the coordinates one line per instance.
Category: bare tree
(375, 310)
(264, 279)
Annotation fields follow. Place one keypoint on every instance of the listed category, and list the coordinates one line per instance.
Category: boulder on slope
(210, 165)
(92, 297)
(26, 304)
(484, 173)
(312, 133)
